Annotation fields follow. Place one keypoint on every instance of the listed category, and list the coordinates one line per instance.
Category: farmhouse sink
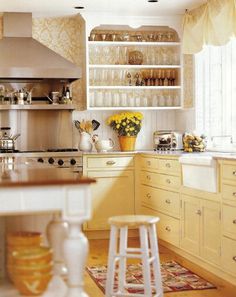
(199, 172)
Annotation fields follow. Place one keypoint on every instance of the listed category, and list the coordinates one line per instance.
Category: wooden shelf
(130, 43)
(37, 107)
(127, 66)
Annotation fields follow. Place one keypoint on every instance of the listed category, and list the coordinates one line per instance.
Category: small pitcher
(85, 144)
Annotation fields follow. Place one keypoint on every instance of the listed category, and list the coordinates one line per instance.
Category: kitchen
(69, 34)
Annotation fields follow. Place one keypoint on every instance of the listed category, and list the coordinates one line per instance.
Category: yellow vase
(127, 143)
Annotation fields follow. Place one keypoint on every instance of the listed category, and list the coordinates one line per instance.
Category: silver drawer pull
(168, 181)
(234, 258)
(198, 212)
(234, 221)
(168, 201)
(149, 195)
(234, 194)
(148, 177)
(168, 165)
(234, 172)
(111, 162)
(168, 228)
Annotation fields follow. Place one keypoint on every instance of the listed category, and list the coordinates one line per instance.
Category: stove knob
(60, 162)
(51, 160)
(40, 160)
(72, 161)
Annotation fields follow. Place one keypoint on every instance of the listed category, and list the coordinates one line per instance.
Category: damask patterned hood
(23, 57)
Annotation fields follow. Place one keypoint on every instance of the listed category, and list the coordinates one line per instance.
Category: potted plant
(127, 125)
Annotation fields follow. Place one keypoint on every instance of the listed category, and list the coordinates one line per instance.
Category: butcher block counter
(27, 189)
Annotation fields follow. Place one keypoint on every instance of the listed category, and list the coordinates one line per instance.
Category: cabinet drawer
(229, 255)
(229, 193)
(161, 200)
(229, 172)
(110, 162)
(149, 163)
(229, 221)
(170, 166)
(157, 179)
(168, 227)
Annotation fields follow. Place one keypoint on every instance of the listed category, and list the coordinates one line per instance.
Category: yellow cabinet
(190, 224)
(229, 221)
(229, 255)
(168, 228)
(201, 228)
(113, 194)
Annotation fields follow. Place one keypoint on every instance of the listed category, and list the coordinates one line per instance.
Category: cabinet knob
(168, 165)
(111, 162)
(198, 212)
(149, 195)
(234, 222)
(149, 163)
(234, 194)
(168, 181)
(168, 201)
(234, 258)
(168, 228)
(234, 172)
(148, 177)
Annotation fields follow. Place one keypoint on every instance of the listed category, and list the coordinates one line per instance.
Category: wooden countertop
(23, 175)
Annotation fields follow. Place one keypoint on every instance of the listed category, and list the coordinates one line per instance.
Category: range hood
(23, 57)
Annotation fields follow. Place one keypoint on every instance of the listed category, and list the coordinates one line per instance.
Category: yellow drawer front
(229, 221)
(156, 179)
(229, 193)
(170, 166)
(229, 255)
(229, 172)
(168, 227)
(161, 200)
(110, 162)
(169, 181)
(149, 163)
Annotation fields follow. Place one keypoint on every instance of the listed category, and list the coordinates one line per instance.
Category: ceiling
(119, 7)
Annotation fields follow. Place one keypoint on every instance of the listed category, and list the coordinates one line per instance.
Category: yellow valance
(213, 23)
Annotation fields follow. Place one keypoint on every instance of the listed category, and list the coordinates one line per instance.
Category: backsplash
(153, 120)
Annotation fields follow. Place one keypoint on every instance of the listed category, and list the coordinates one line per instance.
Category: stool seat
(148, 253)
(133, 220)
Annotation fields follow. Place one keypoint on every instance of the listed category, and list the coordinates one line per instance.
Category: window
(216, 90)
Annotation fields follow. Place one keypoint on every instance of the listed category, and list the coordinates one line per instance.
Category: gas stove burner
(63, 150)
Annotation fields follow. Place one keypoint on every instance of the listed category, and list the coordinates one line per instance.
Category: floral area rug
(175, 278)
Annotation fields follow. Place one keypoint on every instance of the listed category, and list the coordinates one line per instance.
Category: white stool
(147, 233)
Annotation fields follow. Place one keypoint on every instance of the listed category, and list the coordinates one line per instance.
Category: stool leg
(111, 262)
(156, 262)
(145, 261)
(122, 263)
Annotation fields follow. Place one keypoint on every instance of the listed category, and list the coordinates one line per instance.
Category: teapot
(102, 145)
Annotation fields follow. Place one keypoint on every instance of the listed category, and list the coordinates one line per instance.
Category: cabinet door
(190, 224)
(210, 231)
(112, 194)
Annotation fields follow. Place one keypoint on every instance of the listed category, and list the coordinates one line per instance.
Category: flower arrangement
(126, 123)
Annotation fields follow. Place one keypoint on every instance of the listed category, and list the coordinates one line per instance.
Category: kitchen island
(27, 189)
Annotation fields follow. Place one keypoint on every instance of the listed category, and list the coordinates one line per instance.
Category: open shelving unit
(114, 81)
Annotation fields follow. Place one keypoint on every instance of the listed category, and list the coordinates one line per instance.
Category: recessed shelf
(130, 43)
(127, 66)
(136, 108)
(135, 87)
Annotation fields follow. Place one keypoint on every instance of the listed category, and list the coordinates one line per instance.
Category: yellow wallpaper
(64, 35)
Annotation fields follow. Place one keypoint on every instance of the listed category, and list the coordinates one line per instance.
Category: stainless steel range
(61, 158)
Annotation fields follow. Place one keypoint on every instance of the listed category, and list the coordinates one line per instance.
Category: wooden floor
(98, 255)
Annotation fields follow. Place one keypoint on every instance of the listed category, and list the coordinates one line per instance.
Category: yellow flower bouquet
(126, 123)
